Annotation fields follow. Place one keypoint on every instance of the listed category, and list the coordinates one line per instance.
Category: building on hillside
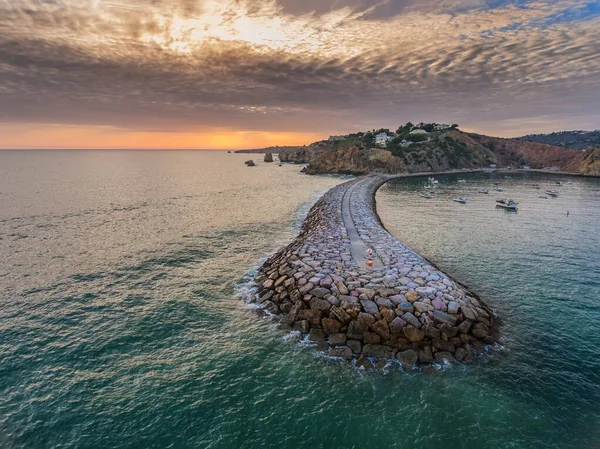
(336, 138)
(418, 131)
(492, 165)
(382, 139)
(441, 126)
(405, 143)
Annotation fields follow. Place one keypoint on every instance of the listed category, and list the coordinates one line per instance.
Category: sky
(224, 74)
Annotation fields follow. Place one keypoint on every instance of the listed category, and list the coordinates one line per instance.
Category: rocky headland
(443, 150)
(395, 305)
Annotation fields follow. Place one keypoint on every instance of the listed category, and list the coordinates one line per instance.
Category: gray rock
(397, 299)
(453, 307)
(411, 319)
(444, 317)
(319, 292)
(306, 288)
(397, 325)
(319, 304)
(369, 306)
(369, 292)
(469, 313)
(384, 302)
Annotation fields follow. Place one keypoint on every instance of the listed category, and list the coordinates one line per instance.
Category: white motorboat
(484, 191)
(461, 200)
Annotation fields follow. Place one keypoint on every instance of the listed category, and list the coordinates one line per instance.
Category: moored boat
(484, 191)
(510, 206)
(461, 200)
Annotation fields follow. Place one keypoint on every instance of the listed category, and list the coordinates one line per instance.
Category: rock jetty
(401, 307)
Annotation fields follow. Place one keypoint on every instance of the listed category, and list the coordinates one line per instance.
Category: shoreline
(405, 309)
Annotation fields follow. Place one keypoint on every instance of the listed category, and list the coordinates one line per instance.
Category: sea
(123, 322)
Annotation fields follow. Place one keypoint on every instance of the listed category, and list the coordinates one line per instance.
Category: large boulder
(250, 163)
(268, 157)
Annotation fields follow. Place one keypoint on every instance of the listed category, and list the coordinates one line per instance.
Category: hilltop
(433, 147)
(580, 140)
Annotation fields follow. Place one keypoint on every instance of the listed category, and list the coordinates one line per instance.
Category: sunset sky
(254, 73)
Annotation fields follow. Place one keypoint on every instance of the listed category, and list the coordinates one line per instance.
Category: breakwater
(401, 307)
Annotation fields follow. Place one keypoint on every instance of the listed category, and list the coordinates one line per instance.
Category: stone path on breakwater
(402, 308)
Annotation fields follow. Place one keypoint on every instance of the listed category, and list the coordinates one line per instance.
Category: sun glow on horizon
(53, 136)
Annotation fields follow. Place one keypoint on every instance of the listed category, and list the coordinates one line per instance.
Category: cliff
(445, 150)
(591, 162)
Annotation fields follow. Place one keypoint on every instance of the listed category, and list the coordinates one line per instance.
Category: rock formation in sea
(401, 308)
(250, 163)
(268, 157)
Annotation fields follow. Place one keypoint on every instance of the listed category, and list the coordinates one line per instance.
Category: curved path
(358, 248)
(402, 308)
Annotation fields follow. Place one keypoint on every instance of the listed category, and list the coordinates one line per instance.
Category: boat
(484, 191)
(461, 200)
(509, 206)
(426, 195)
(462, 180)
(558, 183)
(552, 193)
(432, 180)
(536, 186)
(506, 201)
(499, 189)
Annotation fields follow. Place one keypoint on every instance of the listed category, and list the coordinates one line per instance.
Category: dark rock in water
(345, 353)
(443, 357)
(408, 358)
(425, 355)
(268, 157)
(250, 163)
(337, 339)
(316, 335)
(363, 362)
(229, 152)
(355, 345)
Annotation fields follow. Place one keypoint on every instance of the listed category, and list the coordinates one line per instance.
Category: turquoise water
(121, 324)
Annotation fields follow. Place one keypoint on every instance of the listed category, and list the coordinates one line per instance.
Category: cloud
(319, 67)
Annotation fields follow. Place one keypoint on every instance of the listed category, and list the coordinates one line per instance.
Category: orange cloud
(44, 136)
